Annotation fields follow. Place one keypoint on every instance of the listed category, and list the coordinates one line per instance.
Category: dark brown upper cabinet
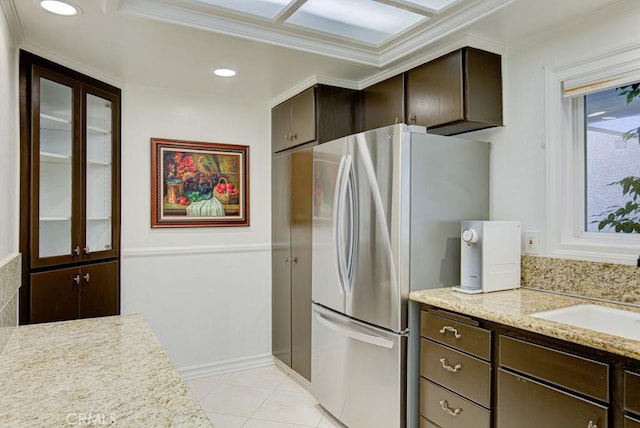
(70, 181)
(458, 92)
(383, 103)
(320, 113)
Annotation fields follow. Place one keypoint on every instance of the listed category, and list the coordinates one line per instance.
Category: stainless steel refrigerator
(387, 209)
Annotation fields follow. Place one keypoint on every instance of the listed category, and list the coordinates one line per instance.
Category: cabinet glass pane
(56, 158)
(99, 169)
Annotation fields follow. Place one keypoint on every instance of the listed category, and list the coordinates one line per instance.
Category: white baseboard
(226, 366)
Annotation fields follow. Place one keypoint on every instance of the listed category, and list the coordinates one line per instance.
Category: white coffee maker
(490, 256)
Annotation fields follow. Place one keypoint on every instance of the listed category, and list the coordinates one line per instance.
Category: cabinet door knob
(76, 250)
(448, 328)
(592, 425)
(287, 137)
(86, 249)
(412, 118)
(76, 279)
(294, 136)
(87, 277)
(449, 410)
(397, 120)
(294, 260)
(448, 367)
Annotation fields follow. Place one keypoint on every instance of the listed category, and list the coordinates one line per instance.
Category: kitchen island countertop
(108, 371)
(514, 308)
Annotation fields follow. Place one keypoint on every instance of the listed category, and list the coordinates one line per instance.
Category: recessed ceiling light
(596, 113)
(60, 7)
(609, 117)
(224, 72)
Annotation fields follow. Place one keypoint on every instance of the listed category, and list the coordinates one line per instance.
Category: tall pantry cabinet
(69, 193)
(316, 115)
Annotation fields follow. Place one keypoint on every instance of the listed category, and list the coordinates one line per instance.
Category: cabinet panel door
(55, 169)
(450, 410)
(54, 295)
(301, 220)
(525, 403)
(99, 290)
(435, 91)
(280, 257)
(383, 103)
(280, 126)
(100, 227)
(303, 117)
(632, 392)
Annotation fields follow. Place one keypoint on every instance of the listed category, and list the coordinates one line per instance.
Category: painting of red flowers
(196, 184)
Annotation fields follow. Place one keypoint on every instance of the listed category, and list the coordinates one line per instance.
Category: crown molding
(74, 65)
(13, 20)
(440, 30)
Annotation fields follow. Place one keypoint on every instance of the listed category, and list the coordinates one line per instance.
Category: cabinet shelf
(97, 130)
(55, 218)
(50, 157)
(96, 218)
(98, 163)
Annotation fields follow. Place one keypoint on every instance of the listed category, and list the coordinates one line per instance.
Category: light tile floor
(265, 397)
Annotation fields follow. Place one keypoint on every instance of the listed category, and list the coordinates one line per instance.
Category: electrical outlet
(531, 242)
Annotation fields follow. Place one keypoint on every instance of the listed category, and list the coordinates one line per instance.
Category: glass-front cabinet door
(100, 161)
(73, 153)
(54, 168)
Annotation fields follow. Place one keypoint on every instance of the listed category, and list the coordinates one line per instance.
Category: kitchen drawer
(525, 403)
(578, 374)
(425, 423)
(628, 423)
(449, 410)
(632, 392)
(466, 375)
(467, 338)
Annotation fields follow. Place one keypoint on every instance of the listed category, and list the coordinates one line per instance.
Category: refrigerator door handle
(351, 251)
(338, 219)
(353, 334)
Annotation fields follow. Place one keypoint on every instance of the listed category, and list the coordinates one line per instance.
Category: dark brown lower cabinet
(528, 380)
(425, 423)
(631, 423)
(77, 292)
(525, 403)
(450, 410)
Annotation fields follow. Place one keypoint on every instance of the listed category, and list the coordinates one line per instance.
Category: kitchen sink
(616, 322)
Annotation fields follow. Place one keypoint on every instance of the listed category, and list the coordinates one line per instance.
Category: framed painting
(196, 184)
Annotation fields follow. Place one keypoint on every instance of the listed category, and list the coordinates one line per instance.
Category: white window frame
(565, 157)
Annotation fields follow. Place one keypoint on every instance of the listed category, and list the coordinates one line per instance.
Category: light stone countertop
(108, 371)
(513, 308)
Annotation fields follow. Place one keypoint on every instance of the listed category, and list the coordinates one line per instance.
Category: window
(593, 157)
(612, 159)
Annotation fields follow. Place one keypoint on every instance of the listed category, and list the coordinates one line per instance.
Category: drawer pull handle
(592, 425)
(447, 328)
(445, 365)
(449, 410)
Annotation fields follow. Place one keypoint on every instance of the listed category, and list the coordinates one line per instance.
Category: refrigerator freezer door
(358, 371)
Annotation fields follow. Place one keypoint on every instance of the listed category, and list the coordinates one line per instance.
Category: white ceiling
(136, 42)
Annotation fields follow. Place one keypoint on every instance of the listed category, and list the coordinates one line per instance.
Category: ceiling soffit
(418, 35)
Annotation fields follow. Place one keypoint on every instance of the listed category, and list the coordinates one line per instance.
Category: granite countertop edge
(514, 308)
